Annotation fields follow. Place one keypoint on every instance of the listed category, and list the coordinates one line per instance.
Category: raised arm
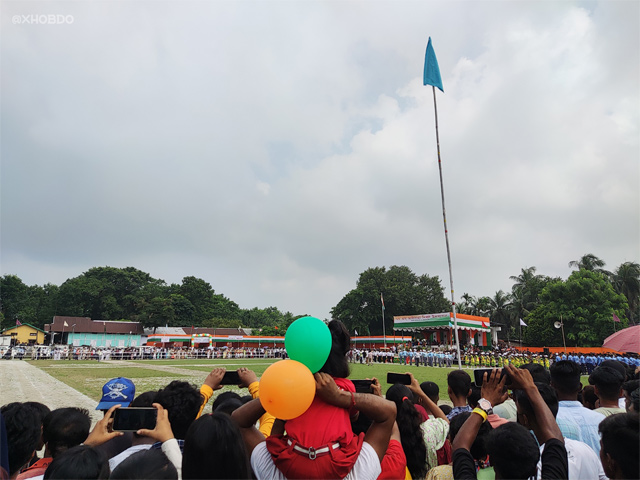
(382, 412)
(426, 401)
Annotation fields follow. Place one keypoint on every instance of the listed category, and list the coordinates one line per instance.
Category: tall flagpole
(446, 232)
(432, 77)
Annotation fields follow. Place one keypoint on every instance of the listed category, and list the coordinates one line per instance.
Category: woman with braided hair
(411, 436)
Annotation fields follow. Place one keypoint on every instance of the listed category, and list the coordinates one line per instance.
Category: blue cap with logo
(118, 391)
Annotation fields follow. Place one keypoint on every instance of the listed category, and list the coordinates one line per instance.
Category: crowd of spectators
(532, 422)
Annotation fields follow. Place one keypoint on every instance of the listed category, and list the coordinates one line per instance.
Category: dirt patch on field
(21, 382)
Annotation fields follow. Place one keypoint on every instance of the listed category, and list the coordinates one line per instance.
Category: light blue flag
(431, 69)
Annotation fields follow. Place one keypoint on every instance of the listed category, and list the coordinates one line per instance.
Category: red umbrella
(627, 340)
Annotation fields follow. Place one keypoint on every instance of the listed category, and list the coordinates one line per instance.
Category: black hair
(630, 385)
(411, 435)
(479, 447)
(222, 398)
(151, 464)
(608, 381)
(547, 393)
(183, 401)
(565, 376)
(146, 399)
(213, 448)
(513, 450)
(538, 373)
(446, 409)
(476, 394)
(40, 409)
(635, 400)
(431, 390)
(64, 428)
(229, 406)
(79, 462)
(620, 440)
(24, 432)
(337, 364)
(589, 396)
(616, 365)
(459, 382)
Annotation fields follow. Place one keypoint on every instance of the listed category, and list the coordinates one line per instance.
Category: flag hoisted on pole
(432, 77)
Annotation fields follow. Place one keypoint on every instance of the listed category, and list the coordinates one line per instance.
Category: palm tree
(626, 281)
(524, 292)
(500, 312)
(590, 262)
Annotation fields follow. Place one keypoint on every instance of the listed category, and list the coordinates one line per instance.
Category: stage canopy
(441, 321)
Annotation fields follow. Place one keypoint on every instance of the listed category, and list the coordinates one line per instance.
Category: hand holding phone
(132, 419)
(230, 378)
(478, 375)
(401, 378)
(363, 386)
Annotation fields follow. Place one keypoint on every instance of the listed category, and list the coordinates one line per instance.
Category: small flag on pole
(66, 324)
(18, 323)
(522, 323)
(431, 69)
(356, 332)
(484, 325)
(382, 300)
(615, 318)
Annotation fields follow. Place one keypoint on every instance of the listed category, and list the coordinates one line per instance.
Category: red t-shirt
(394, 462)
(321, 425)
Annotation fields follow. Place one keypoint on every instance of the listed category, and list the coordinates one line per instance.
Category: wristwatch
(485, 405)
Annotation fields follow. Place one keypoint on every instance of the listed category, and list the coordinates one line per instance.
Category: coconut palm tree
(626, 281)
(500, 310)
(590, 262)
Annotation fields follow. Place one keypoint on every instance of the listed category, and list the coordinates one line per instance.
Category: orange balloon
(287, 389)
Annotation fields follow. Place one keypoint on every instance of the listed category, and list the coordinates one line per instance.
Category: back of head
(183, 401)
(620, 441)
(23, 434)
(65, 428)
(146, 399)
(547, 393)
(431, 390)
(616, 365)
(479, 447)
(336, 364)
(589, 397)
(229, 406)
(565, 377)
(538, 373)
(411, 435)
(459, 382)
(476, 394)
(151, 464)
(608, 382)
(513, 450)
(213, 448)
(80, 462)
(223, 398)
(446, 409)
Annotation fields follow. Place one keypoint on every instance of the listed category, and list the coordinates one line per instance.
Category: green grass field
(88, 377)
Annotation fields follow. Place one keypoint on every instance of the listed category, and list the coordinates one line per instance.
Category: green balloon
(308, 341)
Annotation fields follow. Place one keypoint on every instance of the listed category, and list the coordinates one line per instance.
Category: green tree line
(585, 302)
(109, 293)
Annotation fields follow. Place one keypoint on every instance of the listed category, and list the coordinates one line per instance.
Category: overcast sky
(279, 149)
